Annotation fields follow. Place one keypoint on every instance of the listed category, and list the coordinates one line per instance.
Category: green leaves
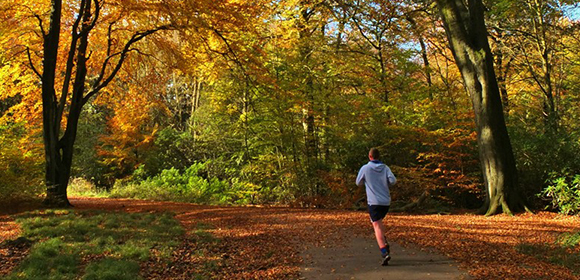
(190, 185)
(564, 193)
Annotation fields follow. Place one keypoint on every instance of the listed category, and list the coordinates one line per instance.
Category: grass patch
(112, 269)
(569, 240)
(204, 236)
(85, 188)
(93, 244)
(565, 251)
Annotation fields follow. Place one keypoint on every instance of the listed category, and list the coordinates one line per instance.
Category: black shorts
(378, 212)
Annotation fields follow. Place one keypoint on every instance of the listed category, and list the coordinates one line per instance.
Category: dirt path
(359, 259)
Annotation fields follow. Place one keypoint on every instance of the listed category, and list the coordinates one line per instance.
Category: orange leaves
(265, 243)
(487, 244)
(132, 126)
(19, 87)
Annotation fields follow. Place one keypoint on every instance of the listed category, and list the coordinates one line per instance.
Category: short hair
(374, 153)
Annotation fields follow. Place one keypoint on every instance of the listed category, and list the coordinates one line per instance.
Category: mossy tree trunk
(467, 34)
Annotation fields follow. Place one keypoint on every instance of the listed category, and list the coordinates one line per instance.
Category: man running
(377, 177)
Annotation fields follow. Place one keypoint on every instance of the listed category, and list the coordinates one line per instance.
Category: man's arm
(391, 177)
(360, 179)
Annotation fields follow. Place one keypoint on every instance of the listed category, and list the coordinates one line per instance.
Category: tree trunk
(196, 95)
(501, 80)
(467, 35)
(308, 122)
(502, 71)
(56, 178)
(426, 65)
(60, 168)
(424, 55)
(383, 73)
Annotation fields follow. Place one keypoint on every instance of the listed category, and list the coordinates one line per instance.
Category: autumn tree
(467, 34)
(378, 26)
(61, 113)
(411, 17)
(539, 47)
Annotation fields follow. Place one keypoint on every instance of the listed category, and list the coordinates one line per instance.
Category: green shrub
(189, 185)
(538, 155)
(172, 149)
(564, 193)
(86, 188)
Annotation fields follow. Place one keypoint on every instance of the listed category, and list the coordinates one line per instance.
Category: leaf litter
(265, 242)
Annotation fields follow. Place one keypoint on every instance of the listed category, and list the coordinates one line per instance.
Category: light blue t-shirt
(377, 177)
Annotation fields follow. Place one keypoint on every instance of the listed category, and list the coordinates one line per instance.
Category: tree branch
(135, 38)
(230, 50)
(362, 33)
(78, 19)
(532, 72)
(31, 64)
(38, 18)
(236, 58)
(40, 24)
(91, 25)
(109, 40)
(70, 60)
(208, 47)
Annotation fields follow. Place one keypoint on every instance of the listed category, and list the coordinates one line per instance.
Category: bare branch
(143, 53)
(40, 24)
(31, 64)
(217, 32)
(231, 50)
(208, 47)
(109, 40)
(97, 13)
(533, 73)
(110, 33)
(362, 33)
(104, 67)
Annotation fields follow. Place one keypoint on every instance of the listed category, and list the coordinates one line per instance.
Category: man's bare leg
(379, 228)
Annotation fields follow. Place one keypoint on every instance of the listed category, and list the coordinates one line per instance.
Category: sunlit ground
(262, 242)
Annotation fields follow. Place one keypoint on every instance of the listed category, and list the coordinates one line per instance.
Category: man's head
(374, 154)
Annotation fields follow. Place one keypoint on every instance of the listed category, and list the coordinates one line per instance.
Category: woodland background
(278, 102)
